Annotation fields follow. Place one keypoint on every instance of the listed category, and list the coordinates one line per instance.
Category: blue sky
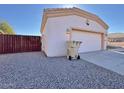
(26, 19)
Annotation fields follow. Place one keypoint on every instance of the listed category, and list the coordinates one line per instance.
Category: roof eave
(70, 11)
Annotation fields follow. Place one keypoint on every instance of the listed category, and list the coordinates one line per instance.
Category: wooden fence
(19, 43)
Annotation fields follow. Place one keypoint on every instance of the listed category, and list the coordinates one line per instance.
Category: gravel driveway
(33, 70)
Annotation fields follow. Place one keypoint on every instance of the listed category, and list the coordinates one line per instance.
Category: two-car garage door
(90, 41)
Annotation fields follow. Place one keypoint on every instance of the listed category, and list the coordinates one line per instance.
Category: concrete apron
(108, 59)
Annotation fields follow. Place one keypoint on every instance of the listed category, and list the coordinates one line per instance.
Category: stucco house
(116, 39)
(62, 24)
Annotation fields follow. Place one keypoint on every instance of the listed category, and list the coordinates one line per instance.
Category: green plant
(6, 28)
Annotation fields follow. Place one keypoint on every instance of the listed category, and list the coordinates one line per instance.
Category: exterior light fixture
(87, 22)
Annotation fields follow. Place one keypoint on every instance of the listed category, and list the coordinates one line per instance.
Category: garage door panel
(90, 41)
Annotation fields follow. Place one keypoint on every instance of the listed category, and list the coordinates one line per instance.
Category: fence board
(19, 43)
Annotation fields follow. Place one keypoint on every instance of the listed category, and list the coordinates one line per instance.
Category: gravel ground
(33, 70)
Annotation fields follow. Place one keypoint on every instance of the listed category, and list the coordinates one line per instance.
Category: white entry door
(90, 41)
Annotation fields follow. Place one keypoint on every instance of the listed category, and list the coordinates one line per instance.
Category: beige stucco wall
(55, 32)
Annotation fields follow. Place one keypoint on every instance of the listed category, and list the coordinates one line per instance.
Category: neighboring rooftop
(116, 35)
